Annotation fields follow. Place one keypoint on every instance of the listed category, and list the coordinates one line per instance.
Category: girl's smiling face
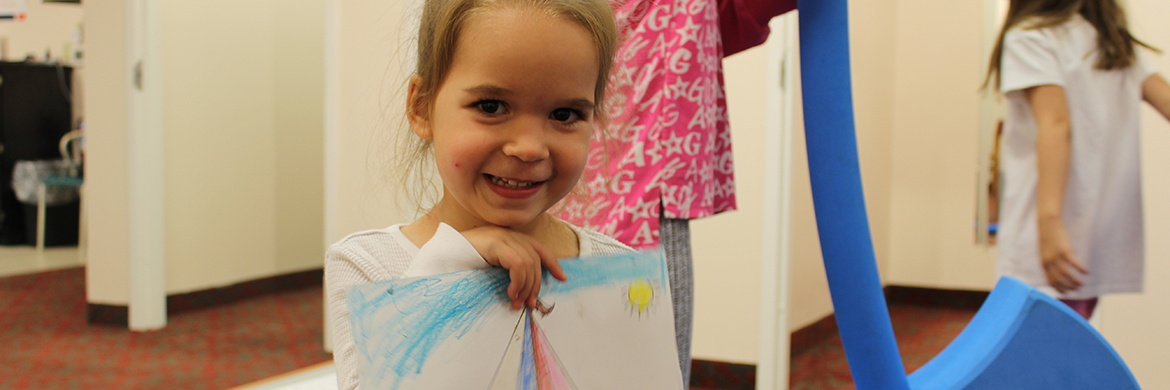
(511, 122)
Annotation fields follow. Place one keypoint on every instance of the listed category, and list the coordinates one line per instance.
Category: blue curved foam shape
(1020, 339)
(856, 289)
(1024, 339)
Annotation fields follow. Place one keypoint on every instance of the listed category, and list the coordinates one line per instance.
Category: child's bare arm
(1156, 91)
(521, 255)
(1053, 146)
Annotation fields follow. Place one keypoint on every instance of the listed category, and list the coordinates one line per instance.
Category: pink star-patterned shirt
(665, 147)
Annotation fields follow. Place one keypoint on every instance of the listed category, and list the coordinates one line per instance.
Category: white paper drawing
(610, 326)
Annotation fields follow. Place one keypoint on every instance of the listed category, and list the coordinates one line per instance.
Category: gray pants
(675, 237)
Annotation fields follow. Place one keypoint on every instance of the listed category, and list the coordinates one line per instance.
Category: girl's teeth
(511, 183)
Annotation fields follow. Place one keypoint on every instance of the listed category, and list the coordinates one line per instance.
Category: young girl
(1071, 217)
(504, 98)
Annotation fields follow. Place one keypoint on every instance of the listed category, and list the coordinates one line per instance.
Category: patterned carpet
(922, 332)
(47, 344)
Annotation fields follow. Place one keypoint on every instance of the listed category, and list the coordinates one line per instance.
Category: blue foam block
(1024, 339)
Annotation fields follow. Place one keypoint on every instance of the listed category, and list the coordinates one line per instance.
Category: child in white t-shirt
(503, 102)
(1070, 218)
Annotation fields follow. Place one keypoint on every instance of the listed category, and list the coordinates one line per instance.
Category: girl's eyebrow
(488, 89)
(583, 104)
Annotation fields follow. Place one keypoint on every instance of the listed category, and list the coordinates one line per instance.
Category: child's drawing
(608, 327)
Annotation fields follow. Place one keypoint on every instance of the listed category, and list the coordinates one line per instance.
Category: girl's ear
(415, 113)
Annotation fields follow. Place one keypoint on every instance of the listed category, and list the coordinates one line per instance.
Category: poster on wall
(13, 10)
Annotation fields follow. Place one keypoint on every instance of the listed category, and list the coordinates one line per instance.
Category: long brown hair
(1115, 45)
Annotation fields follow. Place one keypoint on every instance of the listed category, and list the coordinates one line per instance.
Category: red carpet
(47, 344)
(922, 332)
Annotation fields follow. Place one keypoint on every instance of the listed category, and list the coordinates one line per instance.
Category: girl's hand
(1057, 258)
(520, 254)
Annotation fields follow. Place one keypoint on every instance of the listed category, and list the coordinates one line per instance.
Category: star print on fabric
(728, 187)
(655, 153)
(666, 144)
(724, 139)
(623, 75)
(678, 89)
(597, 184)
(674, 144)
(644, 209)
(596, 208)
(688, 32)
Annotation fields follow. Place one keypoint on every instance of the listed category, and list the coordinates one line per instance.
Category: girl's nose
(527, 142)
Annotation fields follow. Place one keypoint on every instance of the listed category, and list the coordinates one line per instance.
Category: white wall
(935, 140)
(1134, 323)
(243, 118)
(372, 61)
(727, 247)
(220, 156)
(106, 170)
(298, 128)
(243, 127)
(49, 26)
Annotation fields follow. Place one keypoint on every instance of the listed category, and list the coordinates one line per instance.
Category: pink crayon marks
(530, 363)
(550, 374)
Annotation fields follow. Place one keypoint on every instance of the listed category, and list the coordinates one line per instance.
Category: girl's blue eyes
(496, 107)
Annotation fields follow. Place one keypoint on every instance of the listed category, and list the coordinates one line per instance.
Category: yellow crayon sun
(640, 294)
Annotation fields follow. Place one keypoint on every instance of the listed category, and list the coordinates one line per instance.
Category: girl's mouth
(511, 184)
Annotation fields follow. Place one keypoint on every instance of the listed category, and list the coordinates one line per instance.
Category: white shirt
(1102, 199)
(384, 254)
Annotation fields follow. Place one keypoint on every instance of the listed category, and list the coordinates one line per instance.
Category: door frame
(146, 201)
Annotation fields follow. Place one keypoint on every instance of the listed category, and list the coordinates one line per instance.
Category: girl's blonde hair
(1115, 45)
(438, 35)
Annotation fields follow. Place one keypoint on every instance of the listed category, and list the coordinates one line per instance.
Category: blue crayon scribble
(603, 271)
(426, 311)
(398, 323)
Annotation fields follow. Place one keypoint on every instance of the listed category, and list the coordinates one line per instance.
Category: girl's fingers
(1076, 264)
(516, 287)
(550, 262)
(526, 286)
(1068, 269)
(536, 276)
